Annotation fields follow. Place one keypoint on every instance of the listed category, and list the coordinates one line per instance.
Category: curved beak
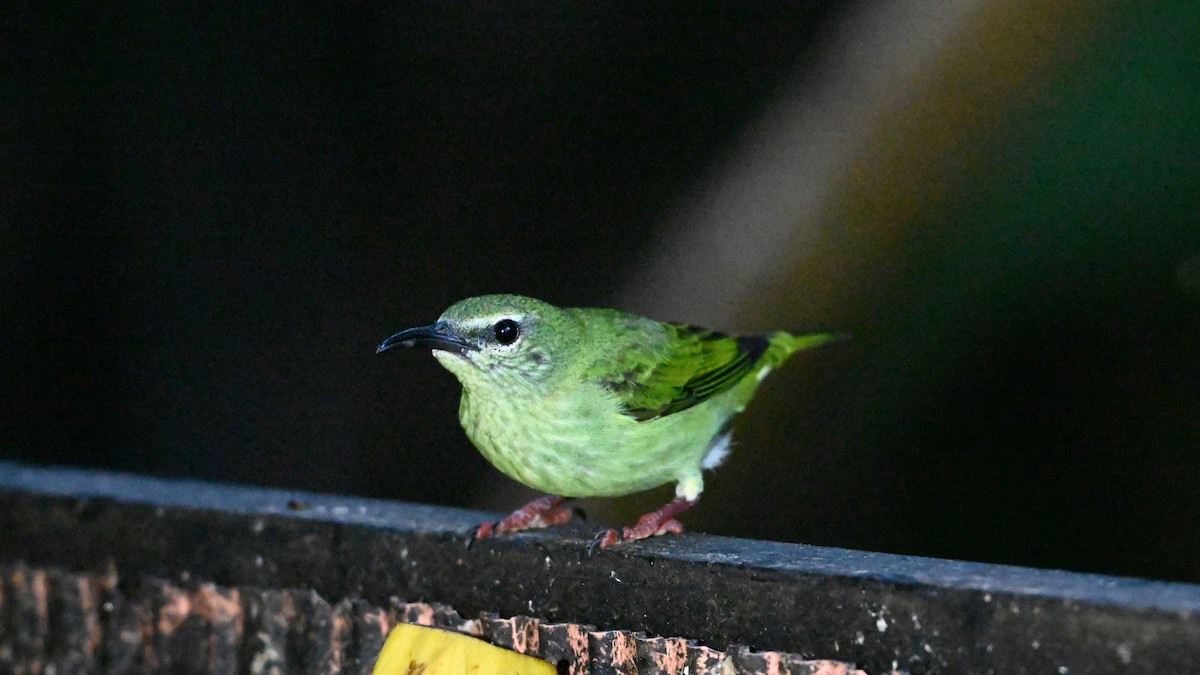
(438, 336)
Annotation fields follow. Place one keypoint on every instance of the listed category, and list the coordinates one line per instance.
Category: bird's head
(496, 340)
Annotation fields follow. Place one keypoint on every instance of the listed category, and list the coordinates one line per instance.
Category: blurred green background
(210, 216)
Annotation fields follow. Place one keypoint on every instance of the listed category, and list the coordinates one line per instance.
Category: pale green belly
(588, 453)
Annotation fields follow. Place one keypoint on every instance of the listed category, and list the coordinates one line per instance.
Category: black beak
(437, 336)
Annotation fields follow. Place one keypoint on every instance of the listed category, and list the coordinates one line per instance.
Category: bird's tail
(784, 344)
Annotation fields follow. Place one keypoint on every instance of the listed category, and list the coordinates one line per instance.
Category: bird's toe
(604, 539)
(480, 531)
(671, 526)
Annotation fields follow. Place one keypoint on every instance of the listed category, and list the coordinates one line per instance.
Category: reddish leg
(657, 522)
(539, 513)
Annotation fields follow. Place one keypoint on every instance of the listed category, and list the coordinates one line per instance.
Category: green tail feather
(784, 344)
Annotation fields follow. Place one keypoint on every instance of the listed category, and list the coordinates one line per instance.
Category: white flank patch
(718, 451)
(763, 373)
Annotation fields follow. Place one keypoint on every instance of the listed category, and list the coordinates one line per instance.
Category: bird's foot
(542, 512)
(652, 524)
(606, 538)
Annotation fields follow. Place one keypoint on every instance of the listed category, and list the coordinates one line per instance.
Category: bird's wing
(689, 366)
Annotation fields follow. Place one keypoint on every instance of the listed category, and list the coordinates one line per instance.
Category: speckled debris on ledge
(58, 621)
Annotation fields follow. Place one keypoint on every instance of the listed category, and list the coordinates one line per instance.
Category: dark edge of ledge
(782, 557)
(881, 610)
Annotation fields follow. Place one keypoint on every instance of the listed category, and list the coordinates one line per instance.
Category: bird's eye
(507, 331)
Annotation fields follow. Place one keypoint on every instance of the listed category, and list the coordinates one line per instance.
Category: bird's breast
(573, 445)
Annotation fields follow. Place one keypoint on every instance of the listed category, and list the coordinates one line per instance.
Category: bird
(580, 402)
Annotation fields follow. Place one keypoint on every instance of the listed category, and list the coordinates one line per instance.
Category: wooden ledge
(878, 610)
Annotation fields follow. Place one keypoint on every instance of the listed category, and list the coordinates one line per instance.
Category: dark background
(209, 216)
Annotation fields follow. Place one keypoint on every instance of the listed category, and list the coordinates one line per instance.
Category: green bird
(587, 402)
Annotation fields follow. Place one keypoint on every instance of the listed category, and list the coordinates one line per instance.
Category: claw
(604, 539)
(480, 531)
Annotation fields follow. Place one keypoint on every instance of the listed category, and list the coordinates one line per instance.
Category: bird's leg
(657, 522)
(542, 512)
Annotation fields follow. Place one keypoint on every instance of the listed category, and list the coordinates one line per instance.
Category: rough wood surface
(58, 622)
(881, 611)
